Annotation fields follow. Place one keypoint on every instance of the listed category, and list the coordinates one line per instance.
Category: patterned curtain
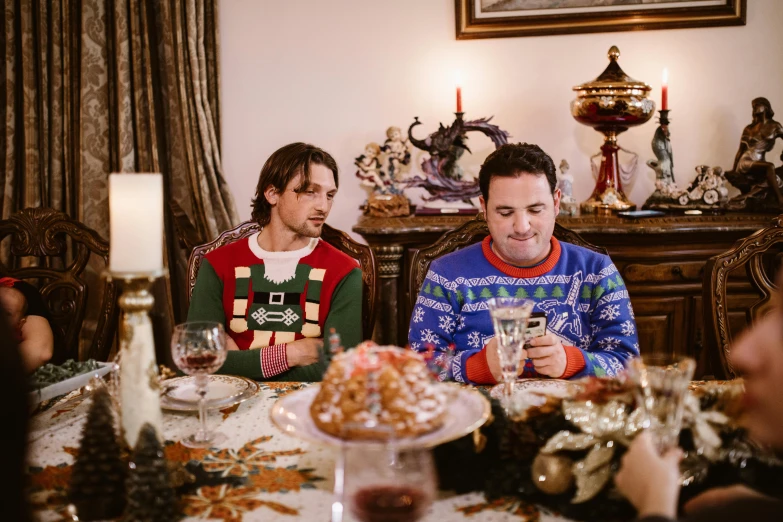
(91, 87)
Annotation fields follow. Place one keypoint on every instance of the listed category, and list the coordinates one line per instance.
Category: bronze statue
(757, 179)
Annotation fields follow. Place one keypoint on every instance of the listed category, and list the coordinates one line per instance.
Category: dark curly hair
(284, 165)
(514, 158)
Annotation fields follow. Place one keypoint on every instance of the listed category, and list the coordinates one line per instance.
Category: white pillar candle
(136, 222)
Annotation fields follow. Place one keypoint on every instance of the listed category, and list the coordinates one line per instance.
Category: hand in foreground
(493, 360)
(548, 355)
(715, 497)
(650, 481)
(304, 352)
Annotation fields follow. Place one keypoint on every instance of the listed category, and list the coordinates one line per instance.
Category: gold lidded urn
(611, 104)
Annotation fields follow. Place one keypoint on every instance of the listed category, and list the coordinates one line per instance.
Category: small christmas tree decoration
(98, 480)
(151, 497)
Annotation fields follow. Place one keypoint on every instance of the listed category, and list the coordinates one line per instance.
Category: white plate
(223, 391)
(68, 385)
(533, 392)
(467, 412)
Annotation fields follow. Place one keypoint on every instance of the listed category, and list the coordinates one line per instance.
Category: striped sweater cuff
(274, 360)
(477, 368)
(575, 362)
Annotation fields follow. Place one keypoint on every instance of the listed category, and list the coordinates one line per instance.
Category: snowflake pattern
(584, 342)
(418, 314)
(474, 340)
(460, 322)
(630, 310)
(429, 337)
(636, 347)
(628, 328)
(610, 312)
(415, 346)
(446, 323)
(609, 343)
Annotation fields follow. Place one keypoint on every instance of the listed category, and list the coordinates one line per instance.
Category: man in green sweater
(279, 290)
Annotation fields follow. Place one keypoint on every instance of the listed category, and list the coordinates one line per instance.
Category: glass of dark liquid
(199, 349)
(384, 483)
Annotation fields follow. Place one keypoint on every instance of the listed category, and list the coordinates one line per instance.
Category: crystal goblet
(509, 317)
(199, 349)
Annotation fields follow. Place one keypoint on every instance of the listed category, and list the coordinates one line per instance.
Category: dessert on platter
(379, 392)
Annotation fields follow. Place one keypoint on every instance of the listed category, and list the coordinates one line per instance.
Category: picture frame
(508, 18)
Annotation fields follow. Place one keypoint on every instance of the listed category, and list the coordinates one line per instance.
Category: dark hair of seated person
(13, 435)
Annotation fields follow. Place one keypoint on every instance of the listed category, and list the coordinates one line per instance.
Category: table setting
(380, 438)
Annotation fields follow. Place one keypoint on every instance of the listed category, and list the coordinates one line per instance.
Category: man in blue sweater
(590, 322)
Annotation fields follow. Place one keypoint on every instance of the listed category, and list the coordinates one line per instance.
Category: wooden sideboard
(661, 260)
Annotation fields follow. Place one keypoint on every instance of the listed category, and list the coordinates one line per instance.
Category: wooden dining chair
(727, 312)
(467, 234)
(337, 238)
(52, 251)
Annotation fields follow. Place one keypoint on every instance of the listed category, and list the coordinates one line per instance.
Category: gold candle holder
(139, 389)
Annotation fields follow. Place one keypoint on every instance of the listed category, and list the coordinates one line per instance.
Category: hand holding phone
(536, 327)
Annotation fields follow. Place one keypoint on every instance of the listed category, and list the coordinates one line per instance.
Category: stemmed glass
(384, 483)
(199, 349)
(509, 317)
(661, 383)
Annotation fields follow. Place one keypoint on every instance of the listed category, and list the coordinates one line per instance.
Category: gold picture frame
(499, 19)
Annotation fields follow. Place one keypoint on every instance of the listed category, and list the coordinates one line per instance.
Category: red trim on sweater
(478, 369)
(516, 271)
(575, 362)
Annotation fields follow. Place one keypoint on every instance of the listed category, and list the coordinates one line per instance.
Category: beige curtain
(91, 87)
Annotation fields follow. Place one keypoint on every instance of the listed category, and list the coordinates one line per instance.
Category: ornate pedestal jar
(611, 104)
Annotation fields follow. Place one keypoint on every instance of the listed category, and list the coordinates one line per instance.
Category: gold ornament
(552, 473)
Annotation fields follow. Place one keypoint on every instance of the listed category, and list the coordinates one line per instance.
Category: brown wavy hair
(283, 165)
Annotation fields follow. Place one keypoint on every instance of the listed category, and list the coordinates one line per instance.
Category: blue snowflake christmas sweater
(581, 292)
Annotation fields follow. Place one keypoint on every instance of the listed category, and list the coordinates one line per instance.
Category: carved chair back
(467, 234)
(759, 255)
(52, 251)
(337, 238)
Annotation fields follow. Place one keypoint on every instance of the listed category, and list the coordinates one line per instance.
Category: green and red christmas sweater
(267, 299)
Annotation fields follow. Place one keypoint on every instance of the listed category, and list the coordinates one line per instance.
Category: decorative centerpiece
(379, 391)
(611, 104)
(563, 452)
(381, 168)
(443, 178)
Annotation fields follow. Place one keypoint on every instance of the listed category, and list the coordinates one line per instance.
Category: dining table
(257, 473)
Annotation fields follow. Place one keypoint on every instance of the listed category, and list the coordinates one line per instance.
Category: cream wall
(337, 73)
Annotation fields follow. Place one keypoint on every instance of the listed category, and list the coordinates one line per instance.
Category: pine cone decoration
(151, 497)
(98, 479)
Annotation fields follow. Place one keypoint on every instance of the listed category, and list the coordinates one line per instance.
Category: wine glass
(199, 349)
(661, 383)
(383, 483)
(509, 317)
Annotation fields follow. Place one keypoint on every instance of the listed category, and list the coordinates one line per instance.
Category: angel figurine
(398, 152)
(370, 171)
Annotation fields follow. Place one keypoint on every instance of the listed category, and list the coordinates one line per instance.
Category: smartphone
(536, 325)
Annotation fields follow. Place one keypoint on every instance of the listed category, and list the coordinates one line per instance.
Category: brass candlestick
(611, 104)
(139, 390)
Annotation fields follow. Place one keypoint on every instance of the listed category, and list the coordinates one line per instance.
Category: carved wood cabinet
(661, 260)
